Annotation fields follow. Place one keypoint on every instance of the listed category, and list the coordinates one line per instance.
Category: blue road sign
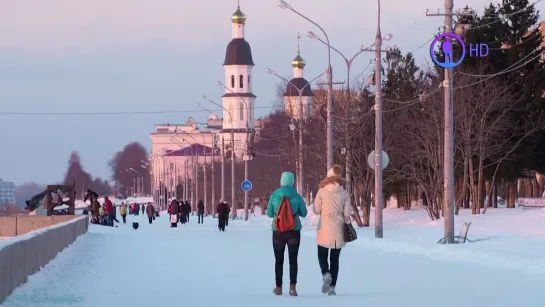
(246, 185)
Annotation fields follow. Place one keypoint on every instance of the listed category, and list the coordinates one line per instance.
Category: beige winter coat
(332, 204)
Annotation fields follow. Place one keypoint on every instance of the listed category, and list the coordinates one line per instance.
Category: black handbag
(350, 233)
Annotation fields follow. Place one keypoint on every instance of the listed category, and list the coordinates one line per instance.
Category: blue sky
(158, 55)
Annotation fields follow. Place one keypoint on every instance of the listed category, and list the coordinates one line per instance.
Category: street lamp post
(223, 158)
(300, 101)
(379, 198)
(246, 157)
(283, 4)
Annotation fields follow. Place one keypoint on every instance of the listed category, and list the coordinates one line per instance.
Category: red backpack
(285, 219)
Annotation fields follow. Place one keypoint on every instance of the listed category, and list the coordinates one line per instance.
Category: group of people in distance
(179, 211)
(332, 205)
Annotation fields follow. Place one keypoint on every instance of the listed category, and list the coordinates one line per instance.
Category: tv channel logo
(475, 50)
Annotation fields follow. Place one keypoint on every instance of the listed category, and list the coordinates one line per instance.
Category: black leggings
(280, 239)
(333, 258)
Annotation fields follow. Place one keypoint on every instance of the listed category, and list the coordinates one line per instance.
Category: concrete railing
(26, 254)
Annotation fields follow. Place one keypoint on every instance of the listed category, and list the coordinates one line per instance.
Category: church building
(180, 151)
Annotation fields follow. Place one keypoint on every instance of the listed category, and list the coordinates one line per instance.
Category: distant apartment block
(7, 192)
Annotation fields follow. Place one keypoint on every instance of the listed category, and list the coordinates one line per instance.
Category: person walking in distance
(332, 205)
(223, 214)
(150, 211)
(187, 210)
(200, 211)
(123, 212)
(173, 213)
(285, 207)
(109, 211)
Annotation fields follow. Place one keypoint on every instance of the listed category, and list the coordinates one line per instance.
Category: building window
(171, 165)
(248, 81)
(241, 81)
(241, 105)
(233, 81)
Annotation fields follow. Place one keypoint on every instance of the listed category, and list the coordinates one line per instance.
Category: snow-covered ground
(195, 265)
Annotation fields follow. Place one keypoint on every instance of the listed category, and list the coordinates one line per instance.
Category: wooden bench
(533, 202)
(462, 237)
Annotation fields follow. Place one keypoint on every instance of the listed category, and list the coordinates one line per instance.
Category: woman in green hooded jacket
(291, 238)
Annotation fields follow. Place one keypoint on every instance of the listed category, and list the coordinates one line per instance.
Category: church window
(232, 81)
(248, 80)
(241, 111)
(241, 81)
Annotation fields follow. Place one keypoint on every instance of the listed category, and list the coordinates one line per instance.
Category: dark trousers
(227, 220)
(110, 220)
(200, 217)
(124, 217)
(280, 239)
(187, 217)
(150, 219)
(333, 254)
(221, 222)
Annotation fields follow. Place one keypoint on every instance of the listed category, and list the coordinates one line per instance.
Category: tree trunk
(495, 195)
(511, 194)
(527, 187)
(535, 187)
(472, 188)
(408, 200)
(467, 198)
(541, 181)
(480, 188)
(366, 208)
(464, 186)
(488, 187)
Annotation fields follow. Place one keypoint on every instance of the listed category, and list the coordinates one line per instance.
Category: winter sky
(158, 55)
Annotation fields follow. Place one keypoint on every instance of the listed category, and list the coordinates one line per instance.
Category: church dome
(297, 84)
(298, 62)
(238, 17)
(238, 52)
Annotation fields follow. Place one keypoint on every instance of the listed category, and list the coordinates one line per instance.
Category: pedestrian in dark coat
(187, 210)
(173, 211)
(223, 214)
(150, 211)
(182, 214)
(200, 211)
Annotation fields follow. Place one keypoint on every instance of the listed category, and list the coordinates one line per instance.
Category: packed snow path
(195, 265)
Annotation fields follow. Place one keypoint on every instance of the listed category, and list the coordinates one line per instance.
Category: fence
(26, 254)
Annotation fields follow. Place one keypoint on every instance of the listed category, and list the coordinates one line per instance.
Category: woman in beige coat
(332, 204)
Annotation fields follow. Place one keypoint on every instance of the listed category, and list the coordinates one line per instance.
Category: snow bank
(506, 238)
(25, 255)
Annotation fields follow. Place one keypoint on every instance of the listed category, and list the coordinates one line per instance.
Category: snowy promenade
(195, 265)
